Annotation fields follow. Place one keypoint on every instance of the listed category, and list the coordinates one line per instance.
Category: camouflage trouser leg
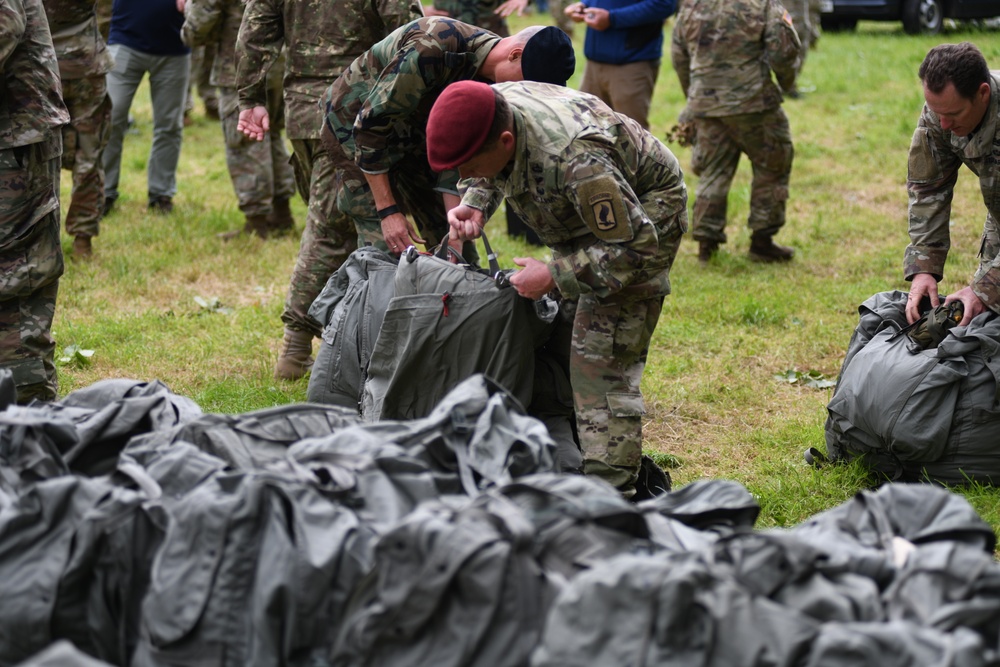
(30, 265)
(714, 158)
(769, 147)
(27, 348)
(767, 141)
(259, 169)
(327, 240)
(608, 355)
(84, 140)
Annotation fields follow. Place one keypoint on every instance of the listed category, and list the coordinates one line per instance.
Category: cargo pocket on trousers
(625, 429)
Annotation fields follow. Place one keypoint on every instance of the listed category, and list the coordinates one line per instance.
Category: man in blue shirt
(623, 47)
(146, 37)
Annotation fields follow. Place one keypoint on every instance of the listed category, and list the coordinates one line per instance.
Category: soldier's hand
(399, 233)
(180, 6)
(466, 222)
(576, 11)
(510, 7)
(597, 18)
(973, 304)
(431, 10)
(923, 284)
(533, 281)
(254, 123)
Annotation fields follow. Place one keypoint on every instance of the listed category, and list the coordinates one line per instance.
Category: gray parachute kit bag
(913, 409)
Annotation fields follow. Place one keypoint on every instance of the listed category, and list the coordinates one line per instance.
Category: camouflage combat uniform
(31, 260)
(723, 52)
(936, 155)
(322, 37)
(83, 62)
(480, 13)
(259, 170)
(378, 111)
(610, 201)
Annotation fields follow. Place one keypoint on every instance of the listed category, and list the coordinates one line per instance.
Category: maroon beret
(458, 124)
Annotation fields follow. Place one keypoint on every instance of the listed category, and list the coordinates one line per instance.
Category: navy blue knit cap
(548, 57)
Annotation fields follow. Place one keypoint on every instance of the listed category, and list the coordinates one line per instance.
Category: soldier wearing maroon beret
(609, 199)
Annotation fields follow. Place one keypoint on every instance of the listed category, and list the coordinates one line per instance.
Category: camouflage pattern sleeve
(201, 21)
(262, 35)
(12, 25)
(625, 240)
(932, 171)
(396, 13)
(679, 56)
(782, 44)
(480, 193)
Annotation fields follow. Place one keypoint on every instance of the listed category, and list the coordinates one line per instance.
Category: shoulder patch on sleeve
(787, 18)
(603, 209)
(921, 166)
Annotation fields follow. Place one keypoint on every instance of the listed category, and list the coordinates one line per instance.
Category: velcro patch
(603, 210)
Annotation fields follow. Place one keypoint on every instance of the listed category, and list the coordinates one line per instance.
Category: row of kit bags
(136, 530)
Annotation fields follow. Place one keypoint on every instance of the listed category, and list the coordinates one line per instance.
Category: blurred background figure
(260, 171)
(145, 38)
(623, 47)
(200, 79)
(84, 61)
(805, 18)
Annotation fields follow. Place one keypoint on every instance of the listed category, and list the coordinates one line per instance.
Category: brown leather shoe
(764, 249)
(706, 249)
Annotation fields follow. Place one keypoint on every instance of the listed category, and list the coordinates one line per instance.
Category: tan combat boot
(280, 222)
(295, 359)
(764, 249)
(255, 224)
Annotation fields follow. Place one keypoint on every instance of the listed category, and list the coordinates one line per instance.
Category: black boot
(764, 249)
(706, 249)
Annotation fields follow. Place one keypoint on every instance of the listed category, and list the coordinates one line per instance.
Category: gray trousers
(168, 79)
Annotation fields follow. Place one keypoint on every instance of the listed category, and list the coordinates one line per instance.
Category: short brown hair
(503, 119)
(962, 65)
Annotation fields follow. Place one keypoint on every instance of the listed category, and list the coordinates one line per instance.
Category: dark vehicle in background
(918, 16)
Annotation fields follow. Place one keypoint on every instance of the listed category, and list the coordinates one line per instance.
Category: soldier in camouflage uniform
(610, 201)
(723, 52)
(31, 261)
(322, 37)
(83, 61)
(959, 124)
(377, 112)
(261, 174)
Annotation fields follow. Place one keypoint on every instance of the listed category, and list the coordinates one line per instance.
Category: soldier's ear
(515, 54)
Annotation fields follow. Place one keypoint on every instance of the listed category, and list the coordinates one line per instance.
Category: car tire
(923, 16)
(837, 24)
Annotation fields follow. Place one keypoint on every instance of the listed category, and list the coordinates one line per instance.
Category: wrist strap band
(384, 213)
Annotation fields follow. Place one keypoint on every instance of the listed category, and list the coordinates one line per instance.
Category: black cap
(548, 57)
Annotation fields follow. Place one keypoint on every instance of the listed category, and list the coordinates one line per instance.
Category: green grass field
(164, 299)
